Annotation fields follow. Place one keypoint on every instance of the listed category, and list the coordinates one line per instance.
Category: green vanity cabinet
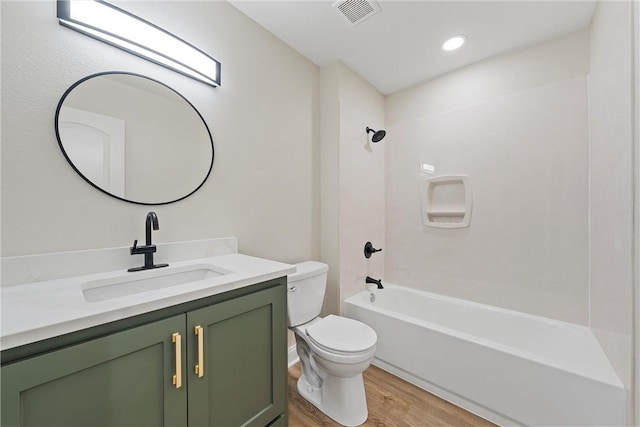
(124, 379)
(128, 377)
(244, 380)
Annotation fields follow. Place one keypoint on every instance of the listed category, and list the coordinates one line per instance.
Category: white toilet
(334, 350)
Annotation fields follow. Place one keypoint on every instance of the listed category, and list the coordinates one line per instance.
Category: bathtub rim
(609, 378)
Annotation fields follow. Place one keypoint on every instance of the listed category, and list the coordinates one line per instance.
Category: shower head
(377, 135)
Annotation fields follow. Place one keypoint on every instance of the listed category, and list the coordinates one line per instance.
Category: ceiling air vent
(356, 11)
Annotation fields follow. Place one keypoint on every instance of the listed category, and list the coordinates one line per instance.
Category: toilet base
(342, 399)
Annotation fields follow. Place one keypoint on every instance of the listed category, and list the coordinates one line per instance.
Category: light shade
(119, 28)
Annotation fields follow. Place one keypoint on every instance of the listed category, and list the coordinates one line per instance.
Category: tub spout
(374, 281)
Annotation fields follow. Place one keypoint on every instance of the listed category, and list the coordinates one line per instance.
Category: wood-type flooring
(392, 402)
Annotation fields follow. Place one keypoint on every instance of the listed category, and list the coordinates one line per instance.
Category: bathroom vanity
(208, 352)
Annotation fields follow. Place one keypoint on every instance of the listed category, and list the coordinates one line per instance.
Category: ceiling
(400, 46)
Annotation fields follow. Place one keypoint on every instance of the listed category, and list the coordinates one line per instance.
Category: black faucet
(148, 249)
(374, 281)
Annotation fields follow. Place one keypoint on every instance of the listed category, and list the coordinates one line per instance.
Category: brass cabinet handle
(177, 378)
(200, 366)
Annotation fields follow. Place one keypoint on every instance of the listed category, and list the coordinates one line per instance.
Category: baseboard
(292, 356)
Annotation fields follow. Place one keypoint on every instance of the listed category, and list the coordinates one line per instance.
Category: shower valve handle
(369, 249)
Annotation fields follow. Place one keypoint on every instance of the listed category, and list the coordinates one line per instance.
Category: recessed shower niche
(447, 201)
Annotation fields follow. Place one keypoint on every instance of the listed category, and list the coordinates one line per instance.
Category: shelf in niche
(447, 213)
(447, 201)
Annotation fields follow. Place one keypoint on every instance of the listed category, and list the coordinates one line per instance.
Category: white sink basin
(149, 280)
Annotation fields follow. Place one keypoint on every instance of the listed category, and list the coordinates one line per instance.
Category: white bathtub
(509, 367)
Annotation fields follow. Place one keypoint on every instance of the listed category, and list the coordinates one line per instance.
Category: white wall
(611, 184)
(352, 182)
(330, 183)
(636, 168)
(517, 125)
(264, 187)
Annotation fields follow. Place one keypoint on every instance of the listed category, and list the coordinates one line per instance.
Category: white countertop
(45, 309)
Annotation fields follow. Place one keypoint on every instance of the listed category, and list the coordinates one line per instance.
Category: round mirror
(134, 138)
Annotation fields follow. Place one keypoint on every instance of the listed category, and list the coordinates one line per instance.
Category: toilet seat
(341, 335)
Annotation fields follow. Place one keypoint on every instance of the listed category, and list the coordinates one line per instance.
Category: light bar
(107, 23)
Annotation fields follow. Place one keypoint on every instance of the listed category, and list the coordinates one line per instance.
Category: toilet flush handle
(292, 289)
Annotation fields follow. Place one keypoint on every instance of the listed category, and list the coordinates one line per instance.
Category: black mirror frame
(57, 130)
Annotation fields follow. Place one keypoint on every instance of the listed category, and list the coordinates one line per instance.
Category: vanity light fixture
(453, 43)
(110, 24)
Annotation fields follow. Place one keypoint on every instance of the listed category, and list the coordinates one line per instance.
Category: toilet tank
(306, 292)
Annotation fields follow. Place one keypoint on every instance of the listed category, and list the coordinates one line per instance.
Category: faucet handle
(369, 249)
(135, 244)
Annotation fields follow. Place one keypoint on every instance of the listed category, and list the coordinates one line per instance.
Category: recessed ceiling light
(453, 43)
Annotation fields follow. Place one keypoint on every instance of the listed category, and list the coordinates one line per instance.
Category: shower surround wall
(352, 182)
(517, 124)
(611, 187)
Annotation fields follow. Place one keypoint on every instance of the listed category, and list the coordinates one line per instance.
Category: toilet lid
(342, 334)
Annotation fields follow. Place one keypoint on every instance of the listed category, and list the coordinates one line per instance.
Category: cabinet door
(244, 378)
(124, 379)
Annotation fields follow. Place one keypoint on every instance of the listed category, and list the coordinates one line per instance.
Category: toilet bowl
(333, 351)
